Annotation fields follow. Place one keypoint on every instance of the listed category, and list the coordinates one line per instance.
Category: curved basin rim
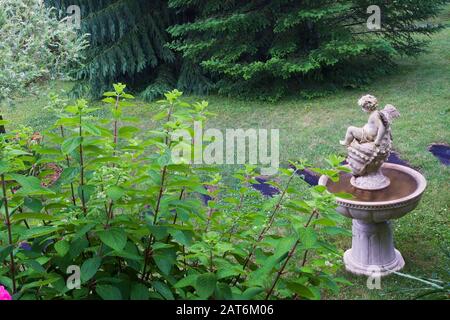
(421, 185)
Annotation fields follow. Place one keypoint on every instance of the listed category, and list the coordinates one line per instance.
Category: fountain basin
(400, 197)
(373, 252)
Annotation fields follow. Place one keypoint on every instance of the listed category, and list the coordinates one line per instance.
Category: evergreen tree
(251, 46)
(128, 43)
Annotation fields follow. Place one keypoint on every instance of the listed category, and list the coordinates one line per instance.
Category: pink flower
(4, 295)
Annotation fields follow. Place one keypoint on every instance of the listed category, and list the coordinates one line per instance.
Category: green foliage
(262, 48)
(270, 47)
(40, 48)
(105, 196)
(128, 43)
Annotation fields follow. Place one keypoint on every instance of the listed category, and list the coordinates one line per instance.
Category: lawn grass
(311, 129)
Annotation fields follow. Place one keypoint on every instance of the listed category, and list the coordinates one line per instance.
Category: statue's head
(368, 103)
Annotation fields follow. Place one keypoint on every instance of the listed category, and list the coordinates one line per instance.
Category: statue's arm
(380, 135)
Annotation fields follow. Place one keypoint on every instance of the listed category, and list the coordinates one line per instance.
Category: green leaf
(38, 216)
(70, 144)
(40, 283)
(319, 189)
(4, 166)
(108, 292)
(250, 293)
(113, 238)
(85, 229)
(159, 116)
(67, 121)
(62, 247)
(90, 110)
(159, 232)
(336, 231)
(185, 237)
(325, 222)
(34, 204)
(205, 285)
(127, 96)
(164, 262)
(308, 237)
(30, 185)
(36, 232)
(187, 281)
(260, 276)
(344, 195)
(69, 175)
(139, 292)
(77, 247)
(300, 290)
(119, 87)
(5, 251)
(86, 190)
(109, 94)
(300, 205)
(125, 254)
(223, 292)
(165, 159)
(160, 245)
(36, 266)
(89, 268)
(7, 282)
(116, 113)
(125, 104)
(72, 109)
(92, 129)
(128, 131)
(115, 193)
(163, 290)
(343, 281)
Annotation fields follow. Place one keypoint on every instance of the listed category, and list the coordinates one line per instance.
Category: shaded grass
(419, 88)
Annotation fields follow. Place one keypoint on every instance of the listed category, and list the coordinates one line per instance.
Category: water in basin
(402, 185)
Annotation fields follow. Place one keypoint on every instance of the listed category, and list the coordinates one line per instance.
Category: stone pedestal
(372, 250)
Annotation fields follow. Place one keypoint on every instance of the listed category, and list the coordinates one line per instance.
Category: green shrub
(104, 195)
(34, 45)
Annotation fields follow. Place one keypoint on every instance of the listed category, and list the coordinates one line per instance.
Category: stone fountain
(381, 192)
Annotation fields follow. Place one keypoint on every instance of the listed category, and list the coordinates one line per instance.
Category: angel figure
(376, 128)
(368, 147)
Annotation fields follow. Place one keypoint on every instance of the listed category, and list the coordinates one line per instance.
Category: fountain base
(372, 251)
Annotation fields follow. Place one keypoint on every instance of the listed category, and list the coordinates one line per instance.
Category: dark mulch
(442, 152)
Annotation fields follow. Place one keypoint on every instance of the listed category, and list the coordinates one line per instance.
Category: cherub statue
(369, 146)
(376, 127)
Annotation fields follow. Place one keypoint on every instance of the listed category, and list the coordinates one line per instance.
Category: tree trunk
(2, 127)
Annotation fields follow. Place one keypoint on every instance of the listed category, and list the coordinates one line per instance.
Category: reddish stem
(83, 200)
(10, 240)
(267, 228)
(68, 165)
(288, 258)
